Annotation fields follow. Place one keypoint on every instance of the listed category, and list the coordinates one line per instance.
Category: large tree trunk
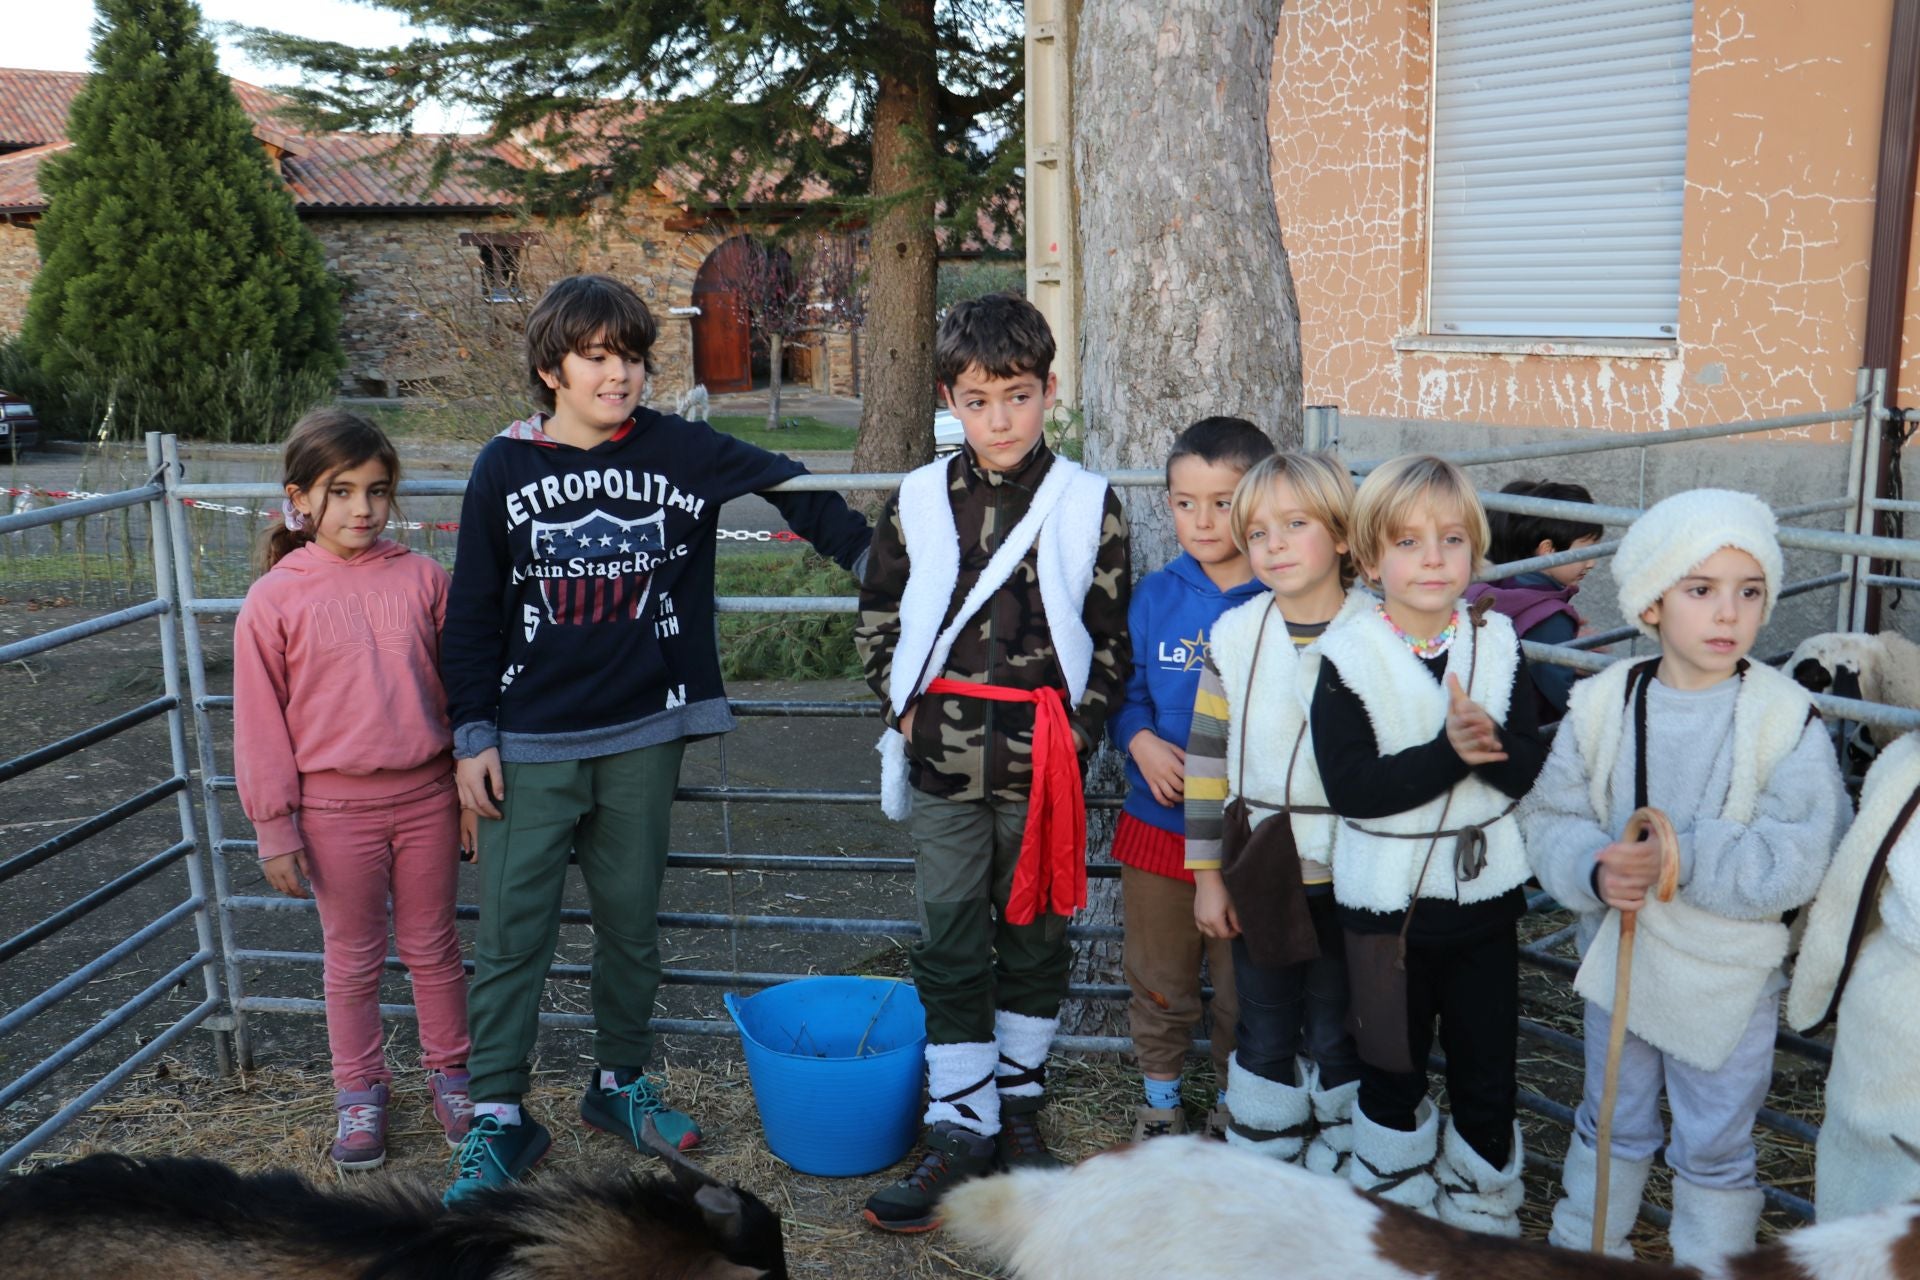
(896, 412)
(1186, 305)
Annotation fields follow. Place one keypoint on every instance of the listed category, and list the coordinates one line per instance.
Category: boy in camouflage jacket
(1000, 648)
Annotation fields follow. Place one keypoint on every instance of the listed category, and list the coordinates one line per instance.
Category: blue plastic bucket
(836, 1065)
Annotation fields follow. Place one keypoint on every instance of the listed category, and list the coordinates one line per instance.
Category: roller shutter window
(1559, 167)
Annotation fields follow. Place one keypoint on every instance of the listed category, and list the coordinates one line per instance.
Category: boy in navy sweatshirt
(1170, 618)
(578, 659)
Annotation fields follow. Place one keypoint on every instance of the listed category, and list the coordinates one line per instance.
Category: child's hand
(469, 836)
(1472, 733)
(1163, 765)
(1627, 871)
(479, 781)
(286, 872)
(1213, 913)
(906, 722)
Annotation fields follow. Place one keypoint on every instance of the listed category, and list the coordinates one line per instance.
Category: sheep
(1881, 668)
(1189, 1207)
(171, 1218)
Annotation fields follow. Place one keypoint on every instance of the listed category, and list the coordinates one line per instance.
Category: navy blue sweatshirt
(580, 622)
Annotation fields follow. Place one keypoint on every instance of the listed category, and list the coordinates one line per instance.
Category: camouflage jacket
(967, 748)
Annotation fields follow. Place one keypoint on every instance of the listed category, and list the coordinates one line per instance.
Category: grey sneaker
(360, 1138)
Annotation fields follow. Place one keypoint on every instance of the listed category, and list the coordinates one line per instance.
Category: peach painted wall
(1783, 138)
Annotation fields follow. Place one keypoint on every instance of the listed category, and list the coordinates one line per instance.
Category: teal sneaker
(624, 1110)
(496, 1155)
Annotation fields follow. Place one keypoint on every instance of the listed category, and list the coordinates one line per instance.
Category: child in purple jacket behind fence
(1540, 604)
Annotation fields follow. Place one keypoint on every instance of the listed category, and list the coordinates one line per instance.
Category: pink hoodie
(336, 684)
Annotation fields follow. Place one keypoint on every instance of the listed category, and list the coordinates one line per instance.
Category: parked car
(19, 428)
(948, 434)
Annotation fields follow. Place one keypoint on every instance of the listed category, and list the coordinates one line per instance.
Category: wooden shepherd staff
(1646, 823)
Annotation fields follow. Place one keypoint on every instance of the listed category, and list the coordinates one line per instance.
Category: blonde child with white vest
(1860, 964)
(993, 622)
(1732, 753)
(1293, 1073)
(1425, 751)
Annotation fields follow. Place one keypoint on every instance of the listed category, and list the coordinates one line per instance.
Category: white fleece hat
(1676, 534)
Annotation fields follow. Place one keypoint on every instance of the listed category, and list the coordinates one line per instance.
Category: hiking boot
(1216, 1124)
(1158, 1122)
(624, 1109)
(1019, 1142)
(953, 1155)
(495, 1155)
(360, 1140)
(451, 1105)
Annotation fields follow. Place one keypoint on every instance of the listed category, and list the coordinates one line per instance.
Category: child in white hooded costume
(1735, 757)
(1860, 960)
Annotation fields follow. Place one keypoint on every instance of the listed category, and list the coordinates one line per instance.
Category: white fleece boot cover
(1711, 1224)
(1573, 1215)
(1022, 1042)
(1332, 1143)
(1271, 1118)
(1397, 1166)
(960, 1087)
(1473, 1194)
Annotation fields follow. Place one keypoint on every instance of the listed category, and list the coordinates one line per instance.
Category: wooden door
(722, 337)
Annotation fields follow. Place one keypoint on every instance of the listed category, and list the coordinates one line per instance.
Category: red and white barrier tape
(442, 526)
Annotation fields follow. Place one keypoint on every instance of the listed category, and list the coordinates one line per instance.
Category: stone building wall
(415, 306)
(19, 262)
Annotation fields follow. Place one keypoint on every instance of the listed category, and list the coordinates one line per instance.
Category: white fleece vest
(1872, 1092)
(1406, 707)
(1696, 975)
(1275, 709)
(1823, 948)
(1064, 520)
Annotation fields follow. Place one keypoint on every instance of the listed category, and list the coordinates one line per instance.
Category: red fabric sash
(1051, 875)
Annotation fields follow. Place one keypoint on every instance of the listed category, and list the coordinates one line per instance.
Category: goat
(1186, 1206)
(171, 1218)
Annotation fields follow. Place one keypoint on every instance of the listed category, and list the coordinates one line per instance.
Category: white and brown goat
(184, 1219)
(1189, 1207)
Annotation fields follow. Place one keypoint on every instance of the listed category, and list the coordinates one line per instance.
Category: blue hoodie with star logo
(1171, 619)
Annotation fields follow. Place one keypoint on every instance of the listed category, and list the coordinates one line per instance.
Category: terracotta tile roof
(33, 106)
(19, 183)
(328, 171)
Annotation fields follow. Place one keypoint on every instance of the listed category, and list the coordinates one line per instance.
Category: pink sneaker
(361, 1139)
(451, 1105)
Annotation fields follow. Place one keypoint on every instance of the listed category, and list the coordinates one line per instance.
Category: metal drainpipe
(1892, 231)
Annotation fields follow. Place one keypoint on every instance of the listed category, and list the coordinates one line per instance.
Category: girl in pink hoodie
(344, 761)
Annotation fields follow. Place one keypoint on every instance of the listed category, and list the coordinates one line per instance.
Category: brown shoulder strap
(1869, 901)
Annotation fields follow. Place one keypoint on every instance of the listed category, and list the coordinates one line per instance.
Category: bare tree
(793, 291)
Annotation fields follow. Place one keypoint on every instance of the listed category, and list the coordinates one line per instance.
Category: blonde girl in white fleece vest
(1293, 1073)
(1424, 752)
(1731, 753)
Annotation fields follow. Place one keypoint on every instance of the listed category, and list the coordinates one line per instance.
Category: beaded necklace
(1421, 648)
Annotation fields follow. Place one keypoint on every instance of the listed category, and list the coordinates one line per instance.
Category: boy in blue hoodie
(1170, 618)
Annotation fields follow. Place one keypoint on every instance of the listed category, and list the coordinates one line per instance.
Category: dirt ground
(279, 1116)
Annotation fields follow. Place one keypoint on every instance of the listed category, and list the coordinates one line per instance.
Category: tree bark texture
(1187, 306)
(896, 413)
